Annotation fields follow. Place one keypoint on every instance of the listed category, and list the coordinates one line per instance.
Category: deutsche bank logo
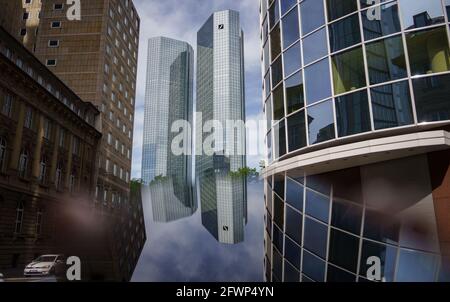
(221, 26)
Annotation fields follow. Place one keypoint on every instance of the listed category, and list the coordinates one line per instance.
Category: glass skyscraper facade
(169, 98)
(357, 100)
(220, 98)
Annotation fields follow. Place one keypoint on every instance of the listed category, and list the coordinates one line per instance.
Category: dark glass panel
(317, 205)
(315, 46)
(352, 112)
(339, 8)
(421, 14)
(415, 266)
(335, 274)
(344, 250)
(277, 266)
(280, 139)
(294, 194)
(321, 122)
(290, 273)
(278, 103)
(291, 31)
(292, 60)
(277, 238)
(391, 105)
(347, 216)
(277, 72)
(432, 96)
(345, 33)
(294, 225)
(279, 185)
(287, 5)
(428, 51)
(312, 15)
(274, 14)
(275, 42)
(348, 71)
(387, 255)
(292, 252)
(381, 227)
(294, 93)
(388, 24)
(278, 211)
(313, 267)
(296, 131)
(386, 60)
(315, 237)
(317, 90)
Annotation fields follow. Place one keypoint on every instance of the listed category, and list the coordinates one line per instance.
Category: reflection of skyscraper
(220, 97)
(168, 99)
(224, 204)
(171, 200)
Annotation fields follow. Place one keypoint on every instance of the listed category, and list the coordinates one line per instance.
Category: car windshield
(46, 259)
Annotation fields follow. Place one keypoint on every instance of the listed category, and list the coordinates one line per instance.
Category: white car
(2, 278)
(45, 265)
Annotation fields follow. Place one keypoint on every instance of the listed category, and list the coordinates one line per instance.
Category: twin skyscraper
(220, 97)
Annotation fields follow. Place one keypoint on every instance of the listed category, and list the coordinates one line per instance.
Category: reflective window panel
(432, 96)
(347, 216)
(389, 22)
(313, 267)
(317, 205)
(339, 8)
(280, 139)
(312, 15)
(380, 227)
(269, 113)
(292, 252)
(290, 273)
(352, 113)
(294, 224)
(417, 14)
(294, 194)
(277, 238)
(274, 14)
(287, 5)
(277, 266)
(278, 185)
(294, 93)
(386, 253)
(345, 33)
(278, 103)
(277, 72)
(291, 30)
(317, 90)
(296, 131)
(292, 59)
(315, 237)
(344, 250)
(391, 105)
(321, 122)
(335, 274)
(315, 46)
(348, 71)
(269, 146)
(275, 42)
(415, 266)
(386, 60)
(428, 51)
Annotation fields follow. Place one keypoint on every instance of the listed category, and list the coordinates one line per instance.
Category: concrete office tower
(220, 97)
(358, 111)
(97, 58)
(169, 98)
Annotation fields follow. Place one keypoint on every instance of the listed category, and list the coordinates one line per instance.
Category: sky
(181, 19)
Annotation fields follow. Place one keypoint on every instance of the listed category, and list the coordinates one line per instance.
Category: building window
(7, 105)
(62, 137)
(23, 163)
(72, 181)
(51, 62)
(25, 16)
(39, 216)
(23, 32)
(53, 43)
(58, 6)
(2, 154)
(29, 118)
(47, 129)
(348, 71)
(43, 170)
(76, 146)
(58, 180)
(56, 24)
(19, 217)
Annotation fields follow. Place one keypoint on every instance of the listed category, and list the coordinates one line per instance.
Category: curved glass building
(357, 99)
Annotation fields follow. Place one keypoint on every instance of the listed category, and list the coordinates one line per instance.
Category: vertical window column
(17, 143)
